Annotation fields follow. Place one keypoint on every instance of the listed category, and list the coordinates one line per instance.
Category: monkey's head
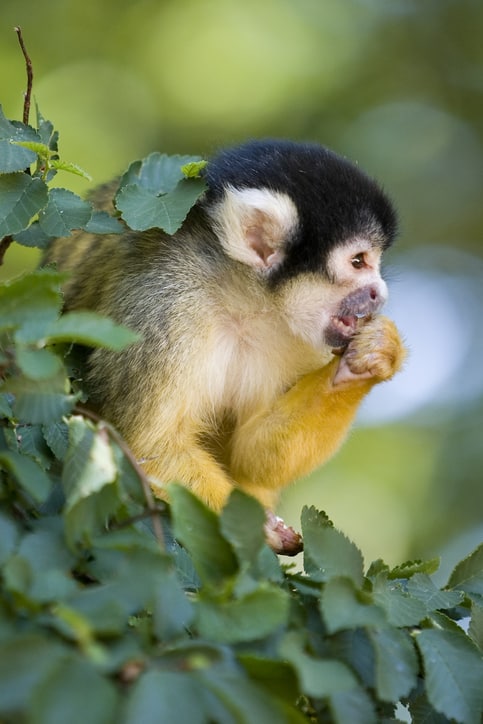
(311, 225)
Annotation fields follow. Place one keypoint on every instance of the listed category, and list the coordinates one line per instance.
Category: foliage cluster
(113, 608)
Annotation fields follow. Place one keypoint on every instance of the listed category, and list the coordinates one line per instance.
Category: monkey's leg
(309, 422)
(199, 472)
(192, 466)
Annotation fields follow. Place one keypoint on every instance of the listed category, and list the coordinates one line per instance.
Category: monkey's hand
(375, 353)
(280, 537)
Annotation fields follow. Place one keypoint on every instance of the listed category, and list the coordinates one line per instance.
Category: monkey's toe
(281, 537)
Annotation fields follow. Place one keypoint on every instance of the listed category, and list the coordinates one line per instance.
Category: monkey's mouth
(343, 327)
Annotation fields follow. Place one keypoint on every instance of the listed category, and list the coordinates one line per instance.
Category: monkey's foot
(375, 352)
(282, 538)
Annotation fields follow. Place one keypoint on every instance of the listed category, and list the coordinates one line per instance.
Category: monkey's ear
(254, 225)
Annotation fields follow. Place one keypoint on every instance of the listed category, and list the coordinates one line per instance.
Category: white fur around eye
(254, 224)
(340, 260)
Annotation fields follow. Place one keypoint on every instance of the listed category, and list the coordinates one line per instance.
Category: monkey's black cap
(335, 200)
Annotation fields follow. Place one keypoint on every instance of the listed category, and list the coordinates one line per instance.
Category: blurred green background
(395, 85)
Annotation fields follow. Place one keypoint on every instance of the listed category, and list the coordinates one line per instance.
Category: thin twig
(7, 240)
(30, 76)
(153, 507)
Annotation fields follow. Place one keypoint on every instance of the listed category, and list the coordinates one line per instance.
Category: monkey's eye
(358, 261)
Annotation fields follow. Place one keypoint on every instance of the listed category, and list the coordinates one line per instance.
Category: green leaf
(76, 627)
(396, 663)
(468, 574)
(158, 172)
(5, 406)
(74, 692)
(327, 552)
(475, 630)
(14, 157)
(46, 131)
(64, 212)
(166, 696)
(38, 148)
(354, 648)
(127, 540)
(185, 569)
(133, 577)
(42, 567)
(353, 706)
(422, 587)
(56, 436)
(142, 209)
(42, 408)
(34, 236)
(422, 712)
(242, 522)
(193, 169)
(31, 443)
(198, 529)
(101, 609)
(343, 606)
(70, 168)
(377, 567)
(8, 537)
(172, 612)
(453, 674)
(21, 198)
(38, 364)
(269, 566)
(25, 661)
(317, 677)
(28, 475)
(102, 223)
(251, 617)
(401, 609)
(408, 569)
(17, 576)
(29, 303)
(131, 176)
(274, 675)
(244, 701)
(89, 464)
(88, 475)
(90, 329)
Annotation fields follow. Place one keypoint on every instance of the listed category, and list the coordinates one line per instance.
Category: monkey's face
(324, 299)
(312, 227)
(326, 309)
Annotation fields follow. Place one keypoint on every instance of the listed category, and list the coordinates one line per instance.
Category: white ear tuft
(254, 225)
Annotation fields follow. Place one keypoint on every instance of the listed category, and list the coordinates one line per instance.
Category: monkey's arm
(309, 422)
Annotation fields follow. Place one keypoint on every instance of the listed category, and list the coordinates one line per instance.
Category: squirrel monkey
(259, 318)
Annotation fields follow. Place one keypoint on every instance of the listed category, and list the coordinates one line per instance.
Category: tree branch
(4, 244)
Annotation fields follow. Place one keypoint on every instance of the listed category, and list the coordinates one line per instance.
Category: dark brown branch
(30, 76)
(4, 244)
(154, 509)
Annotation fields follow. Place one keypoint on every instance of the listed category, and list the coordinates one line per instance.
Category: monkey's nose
(362, 302)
